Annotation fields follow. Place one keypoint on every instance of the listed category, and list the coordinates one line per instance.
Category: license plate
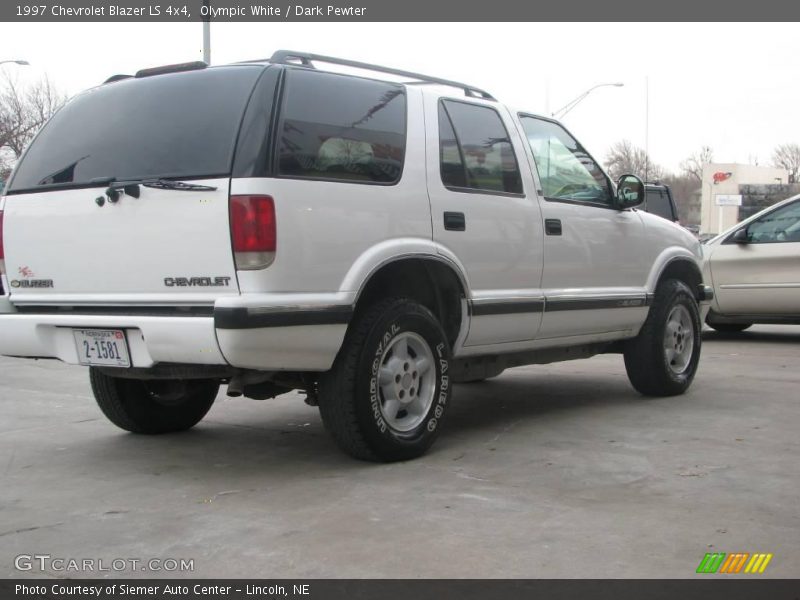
(102, 347)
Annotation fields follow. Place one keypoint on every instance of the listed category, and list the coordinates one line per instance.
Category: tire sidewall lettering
(437, 408)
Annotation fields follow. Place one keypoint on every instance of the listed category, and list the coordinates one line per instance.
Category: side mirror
(630, 192)
(741, 236)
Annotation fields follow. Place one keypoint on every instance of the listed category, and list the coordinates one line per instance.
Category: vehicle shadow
(292, 442)
(757, 336)
(530, 395)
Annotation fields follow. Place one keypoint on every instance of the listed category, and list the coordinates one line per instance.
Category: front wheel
(152, 407)
(662, 360)
(386, 395)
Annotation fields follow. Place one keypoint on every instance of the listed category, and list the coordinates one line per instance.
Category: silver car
(755, 270)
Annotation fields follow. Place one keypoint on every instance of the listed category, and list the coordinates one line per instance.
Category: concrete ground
(547, 471)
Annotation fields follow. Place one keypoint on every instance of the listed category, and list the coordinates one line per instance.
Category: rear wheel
(386, 395)
(155, 406)
(662, 360)
(728, 327)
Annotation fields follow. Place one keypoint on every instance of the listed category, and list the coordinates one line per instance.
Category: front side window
(475, 150)
(782, 225)
(566, 171)
(341, 128)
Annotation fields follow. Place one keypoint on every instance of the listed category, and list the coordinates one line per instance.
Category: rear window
(658, 204)
(474, 149)
(341, 128)
(178, 125)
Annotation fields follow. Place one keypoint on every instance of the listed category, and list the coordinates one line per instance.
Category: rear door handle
(552, 226)
(455, 221)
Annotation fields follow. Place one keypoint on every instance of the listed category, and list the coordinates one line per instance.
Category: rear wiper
(131, 186)
(169, 184)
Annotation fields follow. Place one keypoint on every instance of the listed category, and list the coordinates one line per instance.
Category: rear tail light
(253, 231)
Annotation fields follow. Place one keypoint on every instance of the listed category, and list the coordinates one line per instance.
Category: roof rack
(289, 57)
(177, 68)
(119, 77)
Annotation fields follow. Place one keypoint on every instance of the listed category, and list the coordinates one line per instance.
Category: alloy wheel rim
(679, 339)
(406, 381)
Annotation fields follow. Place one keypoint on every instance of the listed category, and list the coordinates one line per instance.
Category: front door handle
(552, 226)
(455, 221)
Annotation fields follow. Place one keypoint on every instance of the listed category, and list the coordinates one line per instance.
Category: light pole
(16, 62)
(207, 33)
(574, 102)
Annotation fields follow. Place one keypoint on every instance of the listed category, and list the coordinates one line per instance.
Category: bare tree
(693, 166)
(623, 157)
(23, 110)
(686, 193)
(787, 156)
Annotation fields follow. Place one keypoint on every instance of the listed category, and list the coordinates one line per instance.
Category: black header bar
(400, 11)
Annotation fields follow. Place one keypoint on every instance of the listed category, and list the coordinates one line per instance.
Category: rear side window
(658, 204)
(179, 125)
(452, 162)
(475, 150)
(341, 128)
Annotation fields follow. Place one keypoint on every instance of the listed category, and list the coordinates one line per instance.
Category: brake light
(253, 231)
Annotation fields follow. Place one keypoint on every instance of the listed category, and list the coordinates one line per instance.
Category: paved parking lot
(547, 471)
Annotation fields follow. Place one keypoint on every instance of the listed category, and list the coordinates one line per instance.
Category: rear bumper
(266, 332)
(151, 340)
(283, 331)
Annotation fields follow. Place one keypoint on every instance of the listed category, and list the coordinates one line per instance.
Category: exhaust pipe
(235, 387)
(244, 378)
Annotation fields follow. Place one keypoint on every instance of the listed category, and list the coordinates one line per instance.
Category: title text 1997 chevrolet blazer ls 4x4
(272, 226)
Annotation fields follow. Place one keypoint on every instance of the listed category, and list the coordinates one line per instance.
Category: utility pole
(207, 33)
(646, 127)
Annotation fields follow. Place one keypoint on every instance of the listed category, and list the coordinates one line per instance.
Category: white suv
(271, 226)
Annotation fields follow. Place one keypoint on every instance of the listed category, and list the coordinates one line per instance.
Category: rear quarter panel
(325, 227)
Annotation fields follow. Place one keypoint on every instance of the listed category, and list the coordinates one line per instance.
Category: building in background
(721, 196)
(690, 214)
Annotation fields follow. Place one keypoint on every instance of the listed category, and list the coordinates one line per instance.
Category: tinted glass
(451, 162)
(488, 158)
(658, 203)
(338, 127)
(782, 225)
(566, 171)
(175, 125)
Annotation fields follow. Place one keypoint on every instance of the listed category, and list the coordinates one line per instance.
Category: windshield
(177, 125)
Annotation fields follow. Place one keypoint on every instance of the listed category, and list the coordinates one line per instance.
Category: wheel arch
(430, 279)
(677, 264)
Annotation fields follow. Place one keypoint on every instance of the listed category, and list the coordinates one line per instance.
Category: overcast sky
(734, 87)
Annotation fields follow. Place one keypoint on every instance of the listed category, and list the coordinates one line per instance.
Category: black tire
(152, 407)
(646, 359)
(728, 327)
(351, 400)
